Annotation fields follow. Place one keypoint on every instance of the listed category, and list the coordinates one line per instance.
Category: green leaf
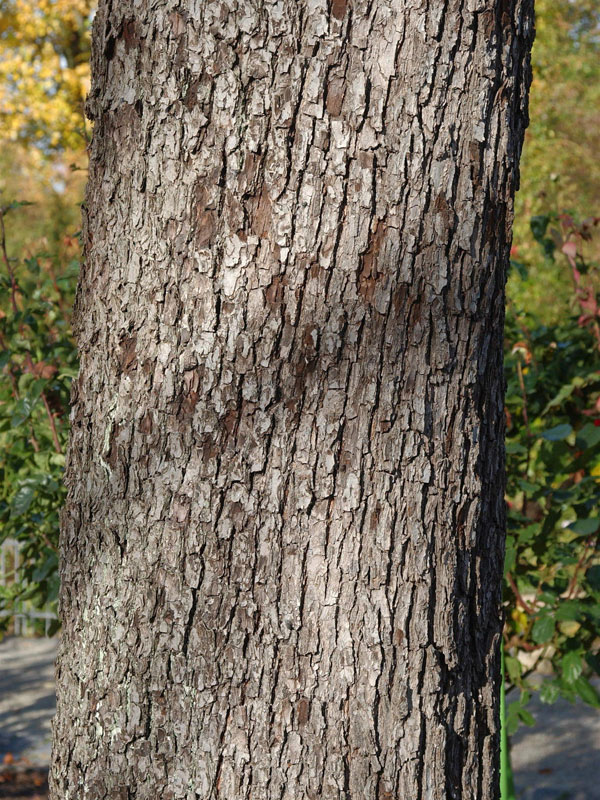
(21, 501)
(22, 411)
(570, 610)
(42, 460)
(543, 629)
(520, 268)
(585, 527)
(45, 568)
(588, 436)
(53, 587)
(46, 483)
(515, 448)
(549, 596)
(593, 659)
(538, 226)
(529, 488)
(18, 204)
(593, 611)
(514, 668)
(571, 666)
(512, 718)
(550, 692)
(550, 521)
(557, 433)
(587, 692)
(526, 717)
(564, 392)
(593, 577)
(33, 265)
(562, 496)
(57, 459)
(516, 712)
(528, 533)
(510, 555)
(24, 382)
(68, 373)
(36, 389)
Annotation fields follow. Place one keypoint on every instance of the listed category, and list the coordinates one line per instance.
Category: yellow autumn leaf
(44, 71)
(569, 627)
(520, 619)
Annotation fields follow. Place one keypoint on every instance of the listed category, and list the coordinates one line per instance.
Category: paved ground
(558, 759)
(26, 698)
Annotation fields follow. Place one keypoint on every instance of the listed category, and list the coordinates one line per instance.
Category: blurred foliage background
(552, 582)
(560, 168)
(44, 79)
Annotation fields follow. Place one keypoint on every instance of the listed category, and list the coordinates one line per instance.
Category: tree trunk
(283, 540)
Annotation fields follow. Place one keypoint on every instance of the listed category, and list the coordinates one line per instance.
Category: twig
(522, 644)
(15, 392)
(47, 541)
(527, 428)
(590, 544)
(11, 274)
(55, 438)
(28, 360)
(525, 606)
(532, 669)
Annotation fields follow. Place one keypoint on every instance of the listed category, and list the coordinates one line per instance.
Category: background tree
(283, 539)
(37, 362)
(553, 444)
(44, 78)
(560, 170)
(44, 71)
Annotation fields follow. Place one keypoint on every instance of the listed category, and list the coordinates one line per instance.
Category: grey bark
(283, 540)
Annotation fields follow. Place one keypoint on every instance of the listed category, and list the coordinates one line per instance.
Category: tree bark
(283, 541)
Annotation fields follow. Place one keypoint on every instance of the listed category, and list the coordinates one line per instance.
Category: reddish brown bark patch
(335, 97)
(130, 35)
(261, 214)
(191, 95)
(274, 291)
(113, 453)
(368, 276)
(303, 709)
(205, 228)
(338, 8)
(206, 218)
(128, 357)
(178, 23)
(188, 405)
(231, 421)
(146, 423)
